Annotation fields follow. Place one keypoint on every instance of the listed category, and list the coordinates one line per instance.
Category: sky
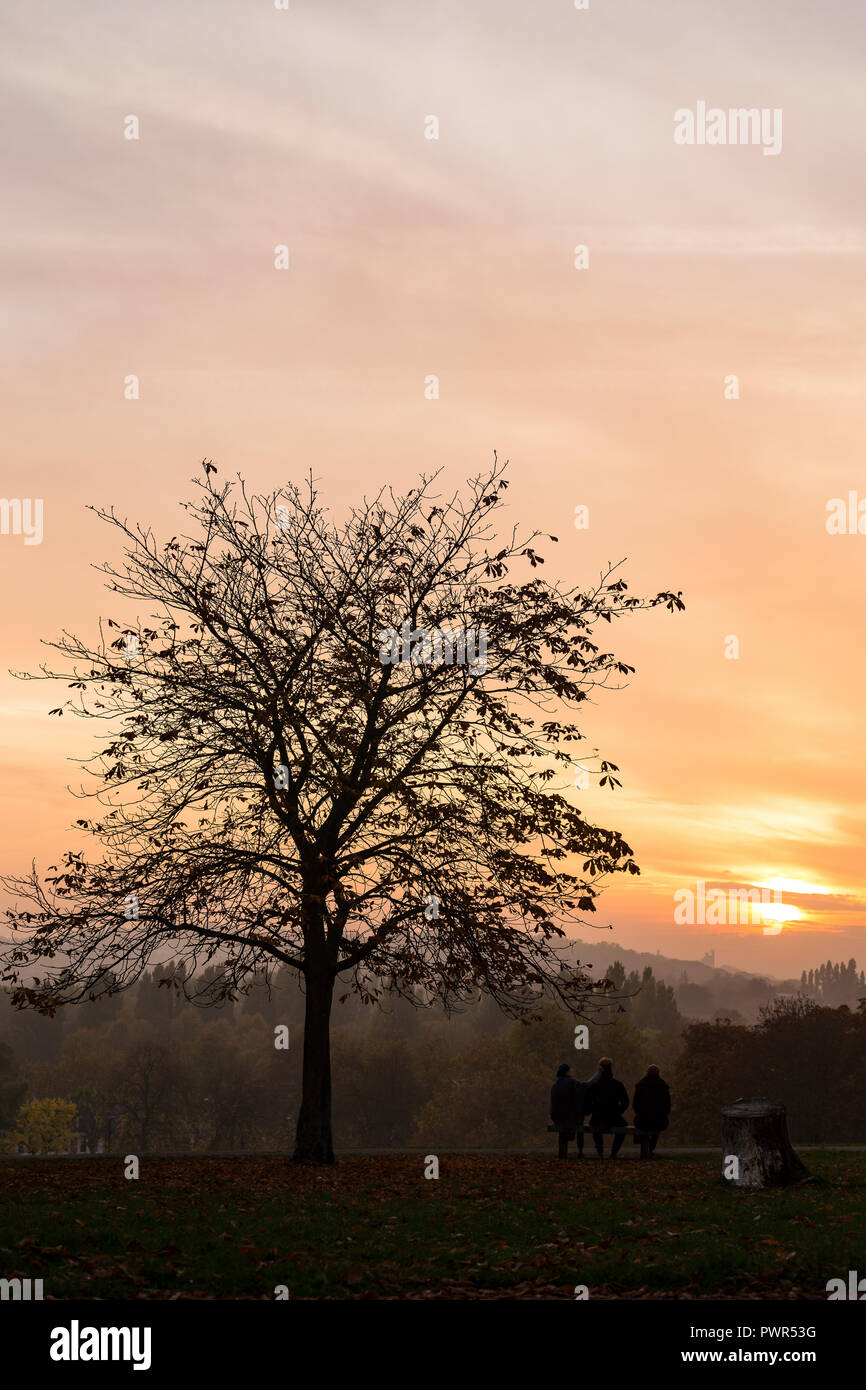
(607, 387)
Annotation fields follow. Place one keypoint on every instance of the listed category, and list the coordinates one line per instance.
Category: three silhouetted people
(652, 1105)
(605, 1100)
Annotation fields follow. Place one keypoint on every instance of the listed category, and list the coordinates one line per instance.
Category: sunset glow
(454, 258)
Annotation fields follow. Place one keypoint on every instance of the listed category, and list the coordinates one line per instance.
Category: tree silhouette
(278, 790)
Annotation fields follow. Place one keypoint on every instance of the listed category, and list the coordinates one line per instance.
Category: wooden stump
(755, 1132)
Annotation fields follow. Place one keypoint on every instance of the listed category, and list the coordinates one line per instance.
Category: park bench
(642, 1136)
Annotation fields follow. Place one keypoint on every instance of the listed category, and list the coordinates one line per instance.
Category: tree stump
(755, 1133)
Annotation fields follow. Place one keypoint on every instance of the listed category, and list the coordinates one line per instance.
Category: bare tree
(342, 747)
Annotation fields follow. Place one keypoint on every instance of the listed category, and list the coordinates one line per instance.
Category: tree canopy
(343, 746)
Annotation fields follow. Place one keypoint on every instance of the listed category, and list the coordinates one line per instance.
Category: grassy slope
(491, 1226)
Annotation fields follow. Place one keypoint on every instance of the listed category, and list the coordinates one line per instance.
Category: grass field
(374, 1227)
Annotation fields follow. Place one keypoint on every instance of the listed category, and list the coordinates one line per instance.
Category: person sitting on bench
(566, 1108)
(652, 1106)
(606, 1099)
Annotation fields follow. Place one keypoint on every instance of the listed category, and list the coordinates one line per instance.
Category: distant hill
(602, 953)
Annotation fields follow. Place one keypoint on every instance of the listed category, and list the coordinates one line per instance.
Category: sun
(794, 885)
(779, 912)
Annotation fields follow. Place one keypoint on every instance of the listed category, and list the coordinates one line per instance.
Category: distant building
(709, 959)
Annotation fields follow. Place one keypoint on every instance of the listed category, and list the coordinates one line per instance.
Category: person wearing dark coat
(567, 1108)
(652, 1105)
(606, 1100)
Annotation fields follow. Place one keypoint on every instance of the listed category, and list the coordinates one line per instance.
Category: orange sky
(454, 257)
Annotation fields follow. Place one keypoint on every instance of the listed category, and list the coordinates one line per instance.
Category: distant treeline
(834, 984)
(149, 1072)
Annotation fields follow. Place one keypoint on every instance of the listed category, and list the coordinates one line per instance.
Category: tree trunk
(755, 1133)
(313, 1141)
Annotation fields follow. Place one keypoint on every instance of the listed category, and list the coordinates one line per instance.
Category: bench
(642, 1136)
